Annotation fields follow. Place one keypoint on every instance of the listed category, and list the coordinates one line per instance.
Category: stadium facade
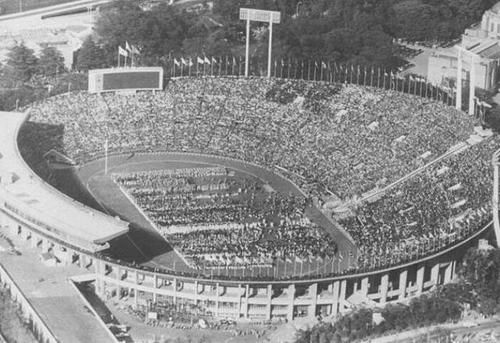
(34, 211)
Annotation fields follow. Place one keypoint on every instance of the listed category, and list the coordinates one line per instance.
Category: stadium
(254, 198)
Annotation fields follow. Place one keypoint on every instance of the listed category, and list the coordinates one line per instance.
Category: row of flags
(129, 50)
(199, 60)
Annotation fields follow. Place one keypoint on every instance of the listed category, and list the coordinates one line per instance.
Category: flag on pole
(206, 60)
(127, 47)
(176, 62)
(122, 51)
(199, 60)
(190, 62)
(135, 50)
(184, 61)
(214, 61)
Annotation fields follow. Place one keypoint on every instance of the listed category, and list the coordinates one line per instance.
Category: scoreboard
(125, 79)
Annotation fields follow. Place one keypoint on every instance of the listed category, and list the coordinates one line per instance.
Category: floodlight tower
(271, 17)
(472, 80)
(496, 173)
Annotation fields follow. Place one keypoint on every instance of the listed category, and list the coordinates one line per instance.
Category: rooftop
(58, 215)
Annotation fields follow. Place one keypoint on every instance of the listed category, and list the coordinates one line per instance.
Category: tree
(157, 33)
(51, 62)
(90, 56)
(21, 64)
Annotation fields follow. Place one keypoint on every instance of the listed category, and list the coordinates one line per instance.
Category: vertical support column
(459, 80)
(384, 288)
(34, 240)
(435, 274)
(313, 292)
(291, 298)
(269, 301)
(174, 283)
(403, 276)
(364, 286)
(100, 270)
(270, 52)
(195, 298)
(420, 279)
(247, 47)
(245, 304)
(448, 274)
(240, 302)
(496, 220)
(335, 304)
(472, 85)
(217, 291)
(343, 290)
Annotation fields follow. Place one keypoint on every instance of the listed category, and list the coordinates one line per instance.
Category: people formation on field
(328, 139)
(220, 221)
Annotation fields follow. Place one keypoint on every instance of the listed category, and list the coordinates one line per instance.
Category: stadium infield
(146, 246)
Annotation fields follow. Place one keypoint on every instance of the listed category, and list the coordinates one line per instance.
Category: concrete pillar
(420, 279)
(335, 291)
(313, 292)
(448, 275)
(174, 283)
(384, 288)
(217, 300)
(459, 80)
(435, 274)
(342, 299)
(245, 304)
(291, 298)
(472, 90)
(269, 300)
(364, 286)
(195, 297)
(34, 240)
(403, 276)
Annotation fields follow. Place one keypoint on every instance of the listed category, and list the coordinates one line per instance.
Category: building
(480, 47)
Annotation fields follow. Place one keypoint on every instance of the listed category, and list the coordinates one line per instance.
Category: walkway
(52, 296)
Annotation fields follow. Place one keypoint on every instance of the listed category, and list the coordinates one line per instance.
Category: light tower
(496, 221)
(472, 80)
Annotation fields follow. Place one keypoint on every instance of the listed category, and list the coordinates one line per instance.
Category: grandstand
(314, 195)
(340, 144)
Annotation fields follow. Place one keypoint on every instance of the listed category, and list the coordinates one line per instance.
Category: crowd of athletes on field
(326, 138)
(217, 221)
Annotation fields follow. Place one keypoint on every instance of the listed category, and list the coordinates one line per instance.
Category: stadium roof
(24, 193)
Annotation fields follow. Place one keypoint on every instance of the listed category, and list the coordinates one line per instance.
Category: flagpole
(118, 57)
(106, 157)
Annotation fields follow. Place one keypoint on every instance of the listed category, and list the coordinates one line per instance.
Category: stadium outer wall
(246, 298)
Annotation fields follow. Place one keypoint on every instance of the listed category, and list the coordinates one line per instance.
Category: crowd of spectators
(340, 139)
(442, 204)
(346, 139)
(219, 221)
